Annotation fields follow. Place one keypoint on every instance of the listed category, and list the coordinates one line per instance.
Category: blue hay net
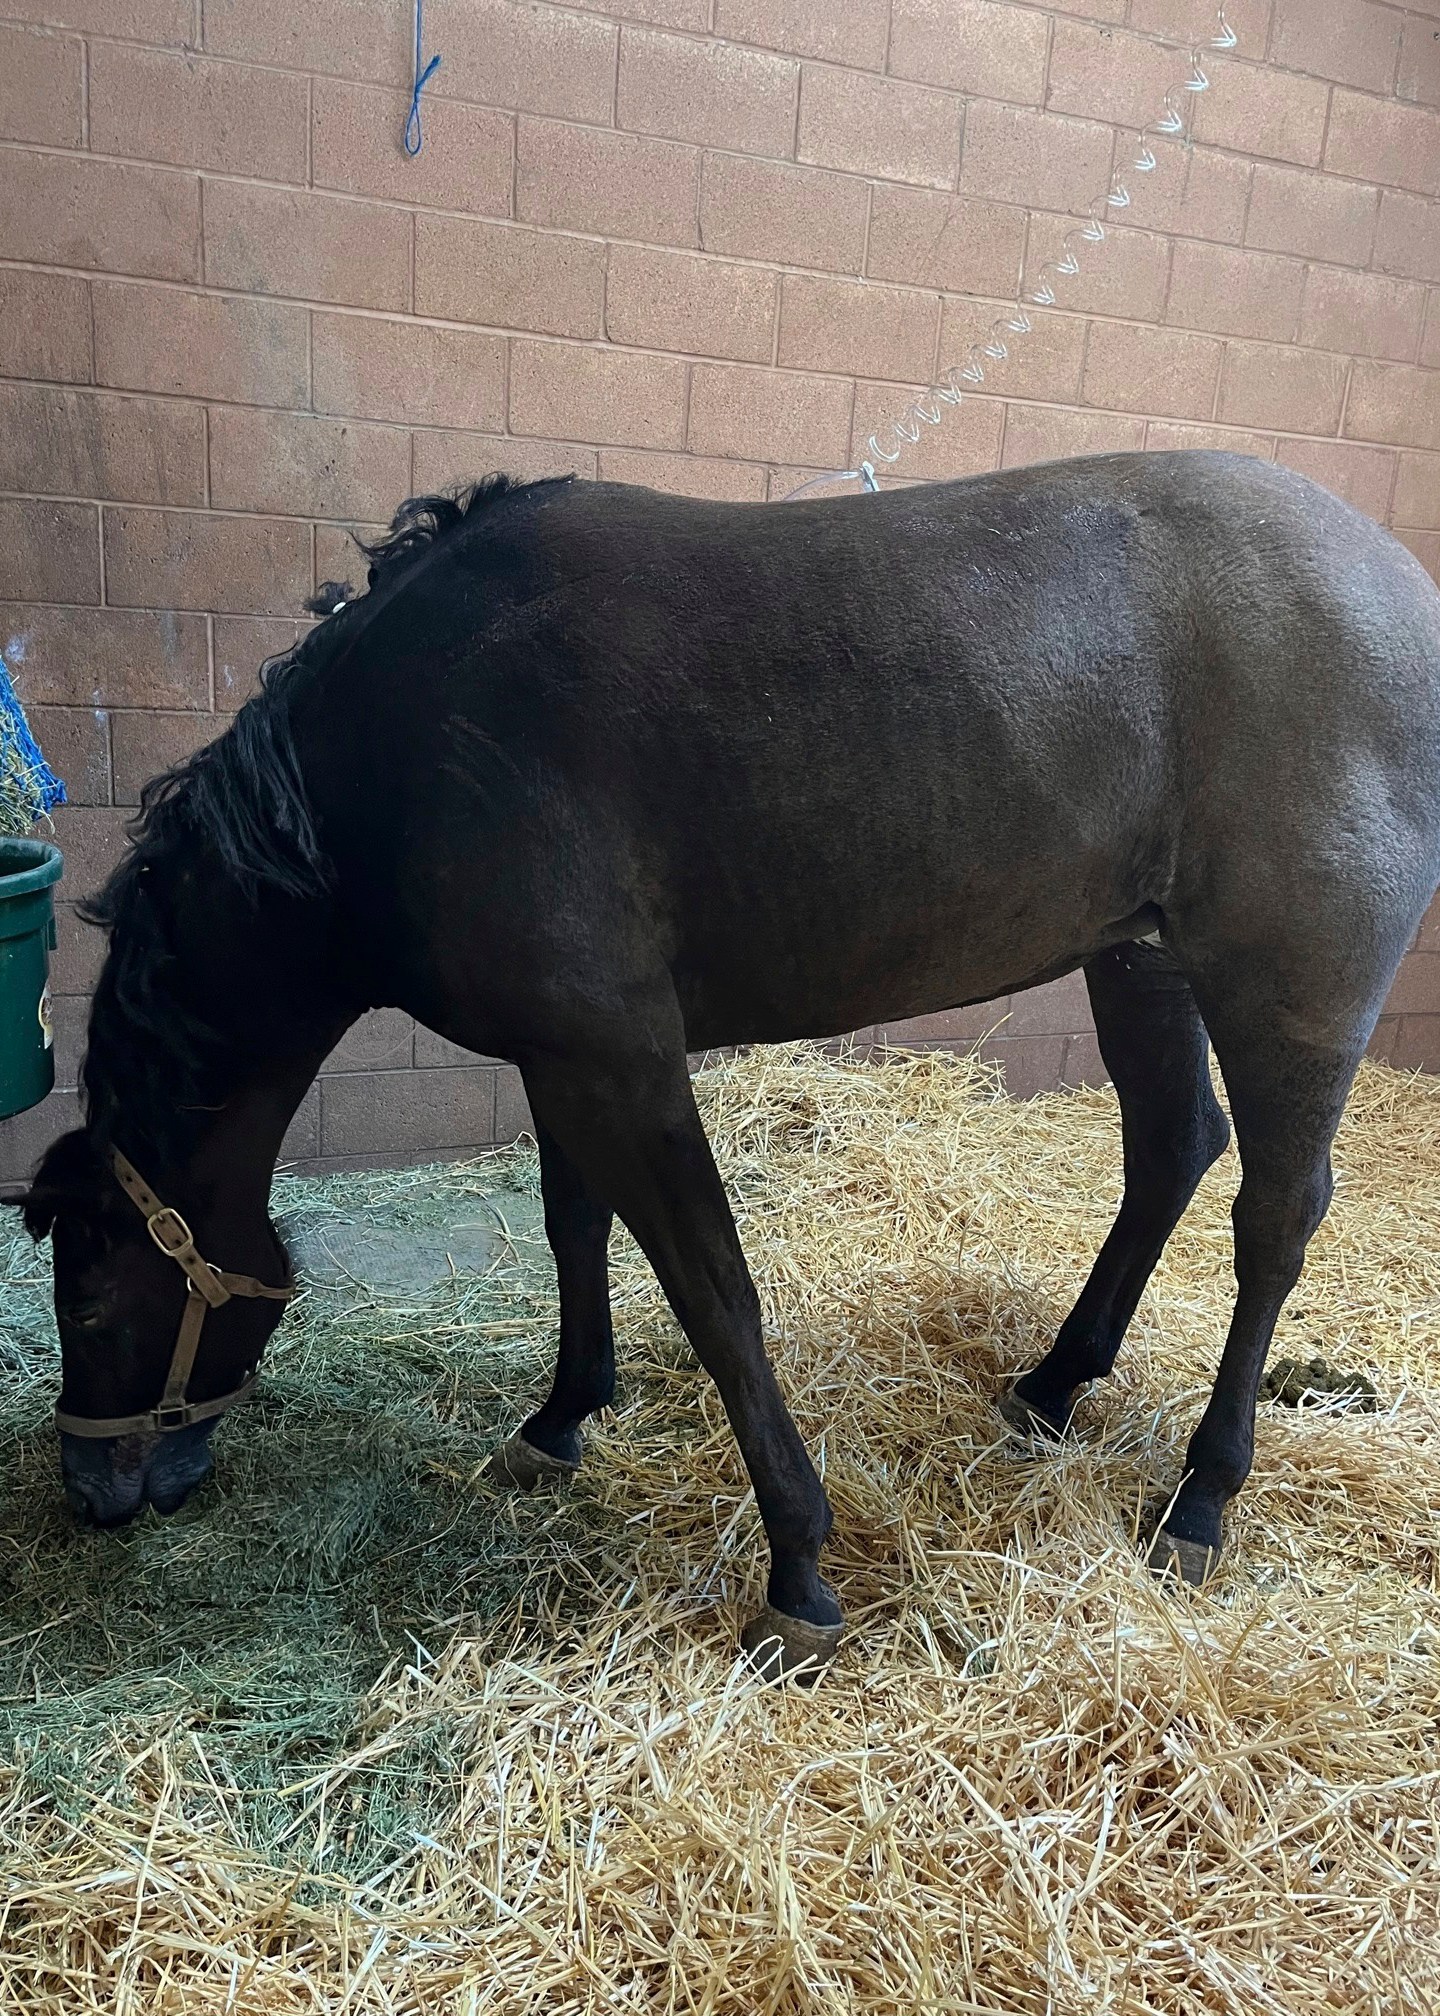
(29, 788)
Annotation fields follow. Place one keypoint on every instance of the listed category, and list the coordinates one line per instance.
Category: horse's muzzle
(108, 1482)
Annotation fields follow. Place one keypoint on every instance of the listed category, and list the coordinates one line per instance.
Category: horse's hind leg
(577, 1226)
(1290, 1013)
(1157, 1053)
(1287, 1092)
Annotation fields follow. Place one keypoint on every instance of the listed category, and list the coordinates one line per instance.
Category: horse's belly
(762, 987)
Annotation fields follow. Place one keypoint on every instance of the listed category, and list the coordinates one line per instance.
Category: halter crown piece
(209, 1288)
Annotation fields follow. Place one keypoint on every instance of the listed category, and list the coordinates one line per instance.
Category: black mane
(418, 524)
(241, 802)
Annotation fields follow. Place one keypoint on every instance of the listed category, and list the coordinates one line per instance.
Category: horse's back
(852, 757)
(1181, 564)
(1173, 651)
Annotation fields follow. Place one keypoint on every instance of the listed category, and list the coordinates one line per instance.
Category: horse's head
(155, 1340)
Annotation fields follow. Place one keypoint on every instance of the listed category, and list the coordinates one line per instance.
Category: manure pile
(354, 1732)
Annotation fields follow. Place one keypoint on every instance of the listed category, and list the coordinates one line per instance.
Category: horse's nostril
(98, 1511)
(168, 1492)
(103, 1489)
(182, 1462)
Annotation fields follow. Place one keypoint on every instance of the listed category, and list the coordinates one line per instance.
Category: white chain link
(888, 444)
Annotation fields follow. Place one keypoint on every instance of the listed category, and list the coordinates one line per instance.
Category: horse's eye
(85, 1315)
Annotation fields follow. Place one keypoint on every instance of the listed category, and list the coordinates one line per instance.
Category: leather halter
(208, 1289)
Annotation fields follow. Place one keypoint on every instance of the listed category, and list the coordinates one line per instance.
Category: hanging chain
(888, 443)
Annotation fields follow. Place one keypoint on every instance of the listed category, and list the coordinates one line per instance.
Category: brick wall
(703, 244)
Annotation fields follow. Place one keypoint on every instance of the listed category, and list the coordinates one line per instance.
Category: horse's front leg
(629, 1125)
(577, 1226)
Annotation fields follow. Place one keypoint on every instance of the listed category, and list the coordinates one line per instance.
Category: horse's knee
(575, 1225)
(1175, 1151)
(1211, 1135)
(1274, 1221)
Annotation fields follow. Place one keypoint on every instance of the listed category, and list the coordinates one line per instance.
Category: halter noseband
(208, 1289)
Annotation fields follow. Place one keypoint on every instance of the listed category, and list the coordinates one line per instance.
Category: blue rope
(414, 137)
(29, 789)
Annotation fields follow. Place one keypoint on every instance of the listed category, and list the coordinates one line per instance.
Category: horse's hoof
(787, 1648)
(1026, 1421)
(1192, 1562)
(517, 1465)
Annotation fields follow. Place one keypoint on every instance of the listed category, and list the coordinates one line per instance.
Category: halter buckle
(170, 1232)
(170, 1415)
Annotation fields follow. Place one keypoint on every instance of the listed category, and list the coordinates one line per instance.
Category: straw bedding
(354, 1732)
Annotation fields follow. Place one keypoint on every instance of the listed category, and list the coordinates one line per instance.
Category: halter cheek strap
(208, 1288)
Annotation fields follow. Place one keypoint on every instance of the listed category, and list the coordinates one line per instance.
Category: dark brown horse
(593, 777)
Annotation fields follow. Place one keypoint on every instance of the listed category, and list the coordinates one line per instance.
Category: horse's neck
(235, 1150)
(273, 987)
(256, 980)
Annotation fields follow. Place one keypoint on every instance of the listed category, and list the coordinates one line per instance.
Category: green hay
(341, 1524)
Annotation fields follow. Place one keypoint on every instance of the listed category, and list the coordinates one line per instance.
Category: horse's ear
(35, 1203)
(36, 1206)
(67, 1173)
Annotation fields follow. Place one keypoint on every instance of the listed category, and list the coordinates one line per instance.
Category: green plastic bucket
(29, 870)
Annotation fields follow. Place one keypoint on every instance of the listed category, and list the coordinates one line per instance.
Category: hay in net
(355, 1733)
(29, 788)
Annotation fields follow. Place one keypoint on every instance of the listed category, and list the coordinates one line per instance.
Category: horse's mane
(242, 800)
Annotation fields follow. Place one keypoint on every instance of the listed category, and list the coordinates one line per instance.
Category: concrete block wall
(702, 244)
